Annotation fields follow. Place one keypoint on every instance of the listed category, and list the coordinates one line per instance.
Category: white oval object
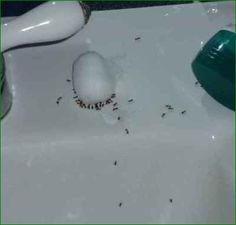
(92, 79)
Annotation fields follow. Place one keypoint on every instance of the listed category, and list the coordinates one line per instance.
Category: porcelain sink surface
(64, 164)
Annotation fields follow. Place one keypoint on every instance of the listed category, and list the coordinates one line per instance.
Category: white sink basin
(63, 164)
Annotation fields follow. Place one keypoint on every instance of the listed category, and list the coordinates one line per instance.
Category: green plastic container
(214, 68)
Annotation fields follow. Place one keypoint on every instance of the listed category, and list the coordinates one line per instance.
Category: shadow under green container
(214, 68)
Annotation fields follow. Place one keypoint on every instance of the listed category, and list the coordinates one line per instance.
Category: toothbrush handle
(51, 21)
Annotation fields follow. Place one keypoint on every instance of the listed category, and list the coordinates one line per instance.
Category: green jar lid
(214, 68)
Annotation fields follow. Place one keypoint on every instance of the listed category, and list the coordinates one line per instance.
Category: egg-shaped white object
(92, 79)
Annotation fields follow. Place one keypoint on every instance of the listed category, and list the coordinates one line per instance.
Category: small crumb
(118, 118)
(131, 100)
(196, 83)
(115, 163)
(114, 109)
(68, 80)
(127, 131)
(183, 112)
(163, 115)
(120, 204)
(113, 95)
(115, 104)
(168, 106)
(75, 97)
(170, 200)
(137, 38)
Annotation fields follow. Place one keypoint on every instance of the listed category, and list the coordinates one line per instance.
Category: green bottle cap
(214, 68)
